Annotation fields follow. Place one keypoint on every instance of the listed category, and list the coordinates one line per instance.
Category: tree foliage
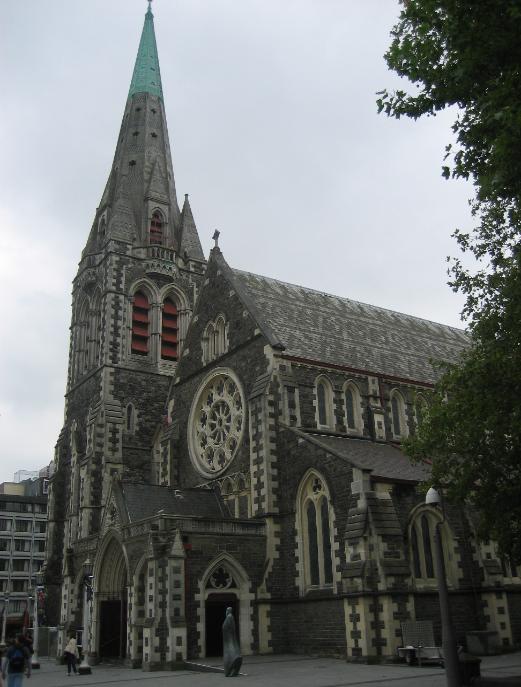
(467, 55)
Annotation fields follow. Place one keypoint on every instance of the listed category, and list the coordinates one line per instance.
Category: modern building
(233, 440)
(23, 527)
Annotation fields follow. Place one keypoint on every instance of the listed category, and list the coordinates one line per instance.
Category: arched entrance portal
(215, 611)
(225, 584)
(111, 588)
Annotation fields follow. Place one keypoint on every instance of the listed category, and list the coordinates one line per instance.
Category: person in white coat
(71, 654)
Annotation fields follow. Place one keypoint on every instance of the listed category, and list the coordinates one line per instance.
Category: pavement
(283, 671)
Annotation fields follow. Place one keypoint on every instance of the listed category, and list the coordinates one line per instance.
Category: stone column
(176, 643)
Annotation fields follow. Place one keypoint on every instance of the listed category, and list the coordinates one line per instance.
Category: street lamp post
(4, 617)
(84, 667)
(450, 651)
(38, 586)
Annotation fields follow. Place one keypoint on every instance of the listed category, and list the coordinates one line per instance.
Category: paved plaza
(281, 671)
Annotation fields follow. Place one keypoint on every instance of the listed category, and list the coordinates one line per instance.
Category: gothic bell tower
(132, 300)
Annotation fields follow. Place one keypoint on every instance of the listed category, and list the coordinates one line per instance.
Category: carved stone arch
(177, 294)
(147, 285)
(111, 583)
(235, 590)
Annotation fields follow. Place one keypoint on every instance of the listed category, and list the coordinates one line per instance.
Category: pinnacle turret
(189, 243)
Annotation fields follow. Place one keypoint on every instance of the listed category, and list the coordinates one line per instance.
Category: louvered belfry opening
(140, 324)
(156, 228)
(169, 330)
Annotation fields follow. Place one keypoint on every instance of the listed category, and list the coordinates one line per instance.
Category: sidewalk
(284, 671)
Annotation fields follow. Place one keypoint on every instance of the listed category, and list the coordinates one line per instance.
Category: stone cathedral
(233, 440)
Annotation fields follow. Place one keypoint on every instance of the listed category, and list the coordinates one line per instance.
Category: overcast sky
(274, 134)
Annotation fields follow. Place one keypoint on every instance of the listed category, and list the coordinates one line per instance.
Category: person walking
(71, 654)
(17, 661)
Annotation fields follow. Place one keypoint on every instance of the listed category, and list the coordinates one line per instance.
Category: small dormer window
(156, 228)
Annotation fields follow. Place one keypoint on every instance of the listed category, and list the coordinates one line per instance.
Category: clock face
(216, 422)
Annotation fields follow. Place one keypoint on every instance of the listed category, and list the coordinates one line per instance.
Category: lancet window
(169, 330)
(140, 324)
(156, 228)
(315, 525)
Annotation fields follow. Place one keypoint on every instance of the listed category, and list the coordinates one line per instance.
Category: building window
(215, 340)
(422, 546)
(324, 395)
(398, 417)
(20, 565)
(19, 585)
(140, 324)
(236, 495)
(22, 525)
(421, 409)
(315, 527)
(156, 228)
(352, 408)
(169, 330)
(129, 418)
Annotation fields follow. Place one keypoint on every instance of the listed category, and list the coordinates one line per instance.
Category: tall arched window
(422, 533)
(156, 228)
(140, 324)
(324, 395)
(421, 409)
(220, 337)
(398, 417)
(353, 416)
(214, 343)
(169, 330)
(314, 525)
(129, 419)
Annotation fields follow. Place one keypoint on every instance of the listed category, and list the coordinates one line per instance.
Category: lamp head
(87, 568)
(433, 497)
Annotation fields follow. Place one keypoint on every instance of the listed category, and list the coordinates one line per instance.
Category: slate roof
(317, 326)
(145, 500)
(385, 461)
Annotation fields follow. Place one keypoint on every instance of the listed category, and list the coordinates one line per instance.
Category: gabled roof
(383, 461)
(146, 500)
(320, 327)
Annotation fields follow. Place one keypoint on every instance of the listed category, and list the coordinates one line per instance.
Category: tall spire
(147, 77)
(141, 183)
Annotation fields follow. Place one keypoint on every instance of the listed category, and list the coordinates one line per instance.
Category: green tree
(466, 55)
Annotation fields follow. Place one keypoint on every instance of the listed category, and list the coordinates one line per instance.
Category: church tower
(132, 300)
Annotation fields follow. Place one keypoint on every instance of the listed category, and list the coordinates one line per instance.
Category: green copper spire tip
(147, 77)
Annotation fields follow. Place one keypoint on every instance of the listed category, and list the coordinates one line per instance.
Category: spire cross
(149, 6)
(215, 237)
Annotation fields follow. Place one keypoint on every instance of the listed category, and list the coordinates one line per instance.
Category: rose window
(217, 419)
